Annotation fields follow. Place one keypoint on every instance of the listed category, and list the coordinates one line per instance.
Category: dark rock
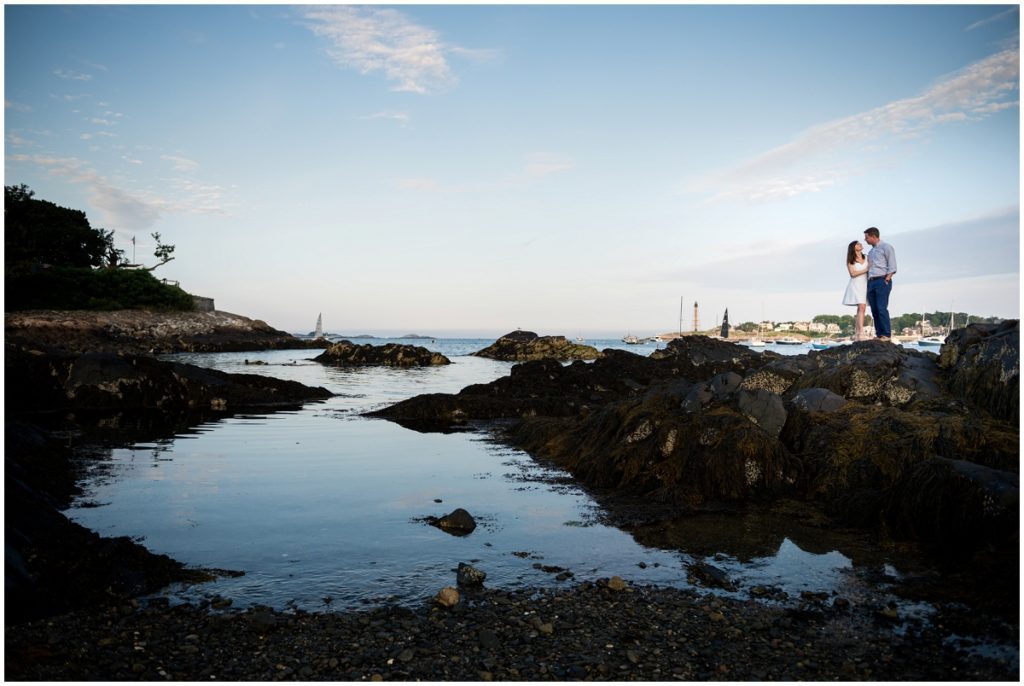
(457, 522)
(109, 381)
(710, 576)
(983, 364)
(725, 385)
(818, 400)
(955, 505)
(764, 408)
(468, 575)
(523, 346)
(348, 354)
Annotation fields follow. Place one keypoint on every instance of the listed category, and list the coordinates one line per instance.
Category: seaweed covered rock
(110, 381)
(651, 447)
(854, 455)
(547, 388)
(701, 357)
(982, 362)
(955, 504)
(523, 346)
(869, 371)
(349, 354)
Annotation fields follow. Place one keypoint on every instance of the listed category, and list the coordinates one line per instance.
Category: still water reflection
(324, 503)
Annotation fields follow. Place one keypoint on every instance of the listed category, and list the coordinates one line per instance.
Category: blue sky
(567, 169)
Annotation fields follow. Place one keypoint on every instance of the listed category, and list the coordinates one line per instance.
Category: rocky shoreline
(591, 631)
(143, 332)
(617, 424)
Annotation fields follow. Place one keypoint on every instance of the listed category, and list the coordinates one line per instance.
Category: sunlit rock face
(348, 354)
(523, 346)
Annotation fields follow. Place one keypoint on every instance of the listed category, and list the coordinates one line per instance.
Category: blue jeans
(878, 300)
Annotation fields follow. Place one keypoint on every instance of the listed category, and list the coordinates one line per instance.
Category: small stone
(716, 617)
(485, 676)
(616, 583)
(332, 663)
(632, 656)
(406, 655)
(447, 597)
(488, 639)
(377, 677)
(546, 628)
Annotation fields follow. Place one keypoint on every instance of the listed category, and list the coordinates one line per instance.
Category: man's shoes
(883, 338)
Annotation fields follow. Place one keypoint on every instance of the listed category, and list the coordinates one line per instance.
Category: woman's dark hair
(851, 254)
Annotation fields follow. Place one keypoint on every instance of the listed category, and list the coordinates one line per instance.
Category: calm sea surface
(324, 503)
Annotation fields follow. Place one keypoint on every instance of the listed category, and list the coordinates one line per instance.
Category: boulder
(818, 400)
(467, 575)
(764, 408)
(523, 346)
(447, 597)
(349, 354)
(955, 504)
(982, 362)
(458, 522)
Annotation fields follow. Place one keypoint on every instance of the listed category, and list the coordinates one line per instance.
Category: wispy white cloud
(131, 160)
(124, 209)
(923, 256)
(372, 39)
(994, 18)
(544, 163)
(72, 75)
(16, 106)
(99, 121)
(402, 118)
(180, 163)
(827, 154)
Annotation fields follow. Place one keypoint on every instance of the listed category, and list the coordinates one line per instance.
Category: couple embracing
(871, 282)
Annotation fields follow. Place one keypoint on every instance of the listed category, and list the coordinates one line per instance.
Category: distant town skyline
(570, 169)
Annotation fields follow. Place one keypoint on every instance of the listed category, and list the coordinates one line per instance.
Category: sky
(571, 169)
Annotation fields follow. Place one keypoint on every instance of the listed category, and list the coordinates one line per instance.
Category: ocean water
(321, 507)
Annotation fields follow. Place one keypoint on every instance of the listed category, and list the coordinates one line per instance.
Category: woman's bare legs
(859, 330)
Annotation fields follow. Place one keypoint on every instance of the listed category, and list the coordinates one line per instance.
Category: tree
(38, 232)
(163, 252)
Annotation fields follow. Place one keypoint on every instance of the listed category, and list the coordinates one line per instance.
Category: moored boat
(788, 340)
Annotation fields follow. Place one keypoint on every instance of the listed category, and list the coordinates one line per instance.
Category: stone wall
(203, 304)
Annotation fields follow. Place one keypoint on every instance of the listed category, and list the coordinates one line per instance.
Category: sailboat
(319, 333)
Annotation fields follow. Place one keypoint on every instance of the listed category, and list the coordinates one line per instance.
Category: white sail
(319, 333)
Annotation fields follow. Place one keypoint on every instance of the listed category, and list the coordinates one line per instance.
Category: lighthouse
(696, 319)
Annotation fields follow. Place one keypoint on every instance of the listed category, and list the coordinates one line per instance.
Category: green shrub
(72, 288)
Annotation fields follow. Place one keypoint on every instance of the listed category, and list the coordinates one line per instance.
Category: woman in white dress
(857, 289)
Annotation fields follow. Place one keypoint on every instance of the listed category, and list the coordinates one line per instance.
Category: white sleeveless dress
(857, 289)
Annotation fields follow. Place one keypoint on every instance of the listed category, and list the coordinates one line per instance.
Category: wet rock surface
(591, 631)
(122, 381)
(706, 424)
(349, 354)
(143, 332)
(523, 346)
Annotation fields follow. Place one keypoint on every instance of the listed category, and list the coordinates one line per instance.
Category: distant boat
(821, 344)
(630, 339)
(319, 333)
(936, 341)
(755, 343)
(788, 340)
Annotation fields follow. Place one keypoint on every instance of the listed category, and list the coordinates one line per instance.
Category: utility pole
(696, 320)
(680, 316)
